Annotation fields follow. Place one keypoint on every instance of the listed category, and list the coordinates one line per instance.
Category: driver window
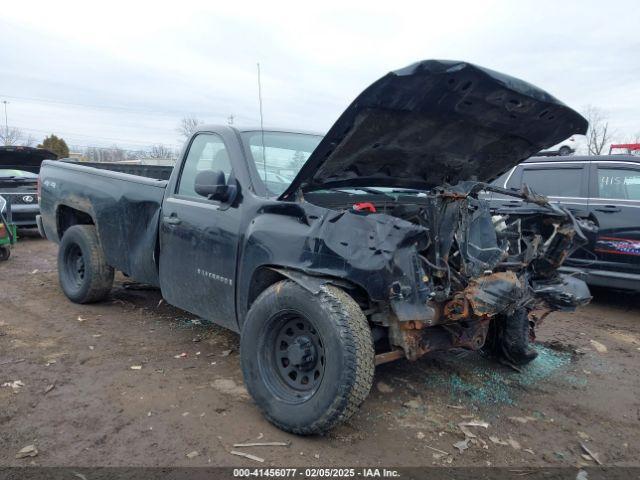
(207, 152)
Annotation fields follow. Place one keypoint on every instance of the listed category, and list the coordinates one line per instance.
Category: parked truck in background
(378, 249)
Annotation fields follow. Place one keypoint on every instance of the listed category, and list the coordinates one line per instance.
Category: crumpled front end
(484, 269)
(443, 270)
(438, 266)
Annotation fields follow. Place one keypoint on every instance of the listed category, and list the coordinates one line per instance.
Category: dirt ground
(80, 402)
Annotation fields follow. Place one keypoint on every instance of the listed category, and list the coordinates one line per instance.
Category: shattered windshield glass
(281, 156)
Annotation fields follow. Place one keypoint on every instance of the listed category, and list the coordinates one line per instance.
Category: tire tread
(101, 279)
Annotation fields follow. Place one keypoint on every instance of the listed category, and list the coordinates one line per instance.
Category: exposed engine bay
(464, 276)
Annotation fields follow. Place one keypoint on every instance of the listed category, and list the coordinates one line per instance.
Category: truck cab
(207, 226)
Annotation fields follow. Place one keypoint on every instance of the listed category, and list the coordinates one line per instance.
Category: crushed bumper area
(456, 265)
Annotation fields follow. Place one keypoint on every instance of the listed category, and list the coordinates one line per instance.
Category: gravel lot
(80, 402)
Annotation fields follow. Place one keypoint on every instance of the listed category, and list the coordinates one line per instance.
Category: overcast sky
(125, 72)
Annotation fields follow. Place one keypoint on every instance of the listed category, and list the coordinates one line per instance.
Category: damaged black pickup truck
(333, 254)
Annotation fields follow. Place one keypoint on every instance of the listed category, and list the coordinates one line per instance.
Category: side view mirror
(212, 184)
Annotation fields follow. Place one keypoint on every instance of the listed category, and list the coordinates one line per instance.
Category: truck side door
(615, 204)
(199, 238)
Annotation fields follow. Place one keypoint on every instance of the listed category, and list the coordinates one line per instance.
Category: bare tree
(15, 136)
(188, 125)
(92, 154)
(28, 141)
(161, 151)
(117, 154)
(136, 154)
(599, 134)
(10, 136)
(109, 154)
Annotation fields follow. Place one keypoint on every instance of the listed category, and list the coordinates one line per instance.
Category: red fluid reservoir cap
(364, 207)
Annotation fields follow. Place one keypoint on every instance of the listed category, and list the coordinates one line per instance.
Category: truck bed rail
(158, 172)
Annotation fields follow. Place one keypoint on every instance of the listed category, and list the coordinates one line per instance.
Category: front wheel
(82, 269)
(509, 339)
(307, 359)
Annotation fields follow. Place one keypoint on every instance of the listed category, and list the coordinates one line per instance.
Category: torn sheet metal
(438, 267)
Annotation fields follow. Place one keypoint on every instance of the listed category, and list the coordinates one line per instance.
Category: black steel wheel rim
(74, 265)
(293, 358)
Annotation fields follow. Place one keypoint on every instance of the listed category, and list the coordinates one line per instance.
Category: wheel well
(67, 217)
(262, 279)
(265, 276)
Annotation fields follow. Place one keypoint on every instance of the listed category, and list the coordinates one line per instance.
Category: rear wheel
(5, 253)
(307, 359)
(82, 270)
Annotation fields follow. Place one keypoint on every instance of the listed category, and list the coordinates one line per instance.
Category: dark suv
(19, 167)
(603, 189)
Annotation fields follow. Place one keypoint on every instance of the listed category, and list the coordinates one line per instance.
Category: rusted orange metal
(457, 309)
(412, 325)
(462, 322)
(387, 357)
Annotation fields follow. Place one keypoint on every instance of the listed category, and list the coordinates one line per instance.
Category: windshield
(8, 173)
(281, 157)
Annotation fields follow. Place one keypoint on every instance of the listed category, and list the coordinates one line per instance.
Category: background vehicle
(628, 148)
(8, 235)
(19, 167)
(566, 147)
(602, 189)
(274, 182)
(321, 287)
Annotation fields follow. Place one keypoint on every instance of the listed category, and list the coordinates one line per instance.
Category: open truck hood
(27, 159)
(436, 122)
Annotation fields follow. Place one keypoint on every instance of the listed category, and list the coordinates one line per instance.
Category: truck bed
(158, 172)
(125, 208)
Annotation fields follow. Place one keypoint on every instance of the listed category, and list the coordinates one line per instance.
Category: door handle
(172, 220)
(608, 209)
